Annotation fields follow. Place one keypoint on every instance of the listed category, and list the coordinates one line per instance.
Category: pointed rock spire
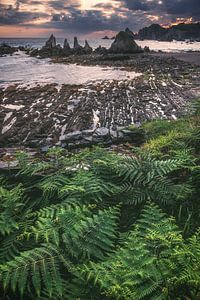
(87, 47)
(51, 43)
(66, 45)
(76, 44)
(127, 30)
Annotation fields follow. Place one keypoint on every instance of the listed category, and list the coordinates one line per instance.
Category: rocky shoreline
(123, 43)
(99, 112)
(76, 116)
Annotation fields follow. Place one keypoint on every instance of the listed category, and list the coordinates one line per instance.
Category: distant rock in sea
(105, 38)
(125, 43)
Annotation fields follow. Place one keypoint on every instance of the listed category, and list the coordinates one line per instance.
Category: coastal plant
(95, 224)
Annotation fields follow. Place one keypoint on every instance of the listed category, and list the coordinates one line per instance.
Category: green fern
(37, 267)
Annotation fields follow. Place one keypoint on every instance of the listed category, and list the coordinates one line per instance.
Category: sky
(90, 18)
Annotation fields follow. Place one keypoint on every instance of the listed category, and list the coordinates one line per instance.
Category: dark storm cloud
(95, 20)
(183, 8)
(103, 6)
(67, 14)
(64, 5)
(11, 15)
(179, 8)
(144, 5)
(86, 22)
(137, 5)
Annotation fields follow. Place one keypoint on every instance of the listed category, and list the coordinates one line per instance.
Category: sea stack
(125, 43)
(127, 30)
(77, 47)
(87, 48)
(51, 43)
(66, 45)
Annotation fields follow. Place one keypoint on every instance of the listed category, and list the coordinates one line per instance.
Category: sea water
(174, 46)
(25, 70)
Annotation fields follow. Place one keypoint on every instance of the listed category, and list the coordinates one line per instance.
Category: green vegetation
(103, 225)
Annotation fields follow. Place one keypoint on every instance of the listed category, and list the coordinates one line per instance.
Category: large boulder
(87, 48)
(51, 43)
(124, 43)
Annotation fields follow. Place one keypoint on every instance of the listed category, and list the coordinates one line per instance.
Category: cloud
(115, 15)
(68, 5)
(85, 22)
(181, 8)
(11, 15)
(137, 5)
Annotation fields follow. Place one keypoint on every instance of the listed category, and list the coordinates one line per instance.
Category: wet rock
(77, 48)
(6, 49)
(51, 43)
(33, 52)
(87, 48)
(74, 136)
(76, 116)
(127, 30)
(114, 57)
(101, 50)
(124, 43)
(66, 46)
(102, 131)
(146, 49)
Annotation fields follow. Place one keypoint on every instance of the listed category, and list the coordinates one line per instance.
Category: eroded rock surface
(51, 43)
(6, 49)
(125, 43)
(74, 116)
(87, 48)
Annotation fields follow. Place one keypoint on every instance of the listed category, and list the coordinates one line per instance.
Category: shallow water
(174, 46)
(28, 71)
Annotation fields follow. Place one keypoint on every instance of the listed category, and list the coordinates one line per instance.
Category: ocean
(29, 71)
(175, 46)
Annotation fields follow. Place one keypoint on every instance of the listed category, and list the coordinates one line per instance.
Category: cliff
(176, 32)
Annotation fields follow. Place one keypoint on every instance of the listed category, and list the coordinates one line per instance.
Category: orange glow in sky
(23, 31)
(39, 18)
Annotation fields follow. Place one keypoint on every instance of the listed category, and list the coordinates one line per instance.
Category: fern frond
(9, 248)
(37, 267)
(51, 185)
(93, 237)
